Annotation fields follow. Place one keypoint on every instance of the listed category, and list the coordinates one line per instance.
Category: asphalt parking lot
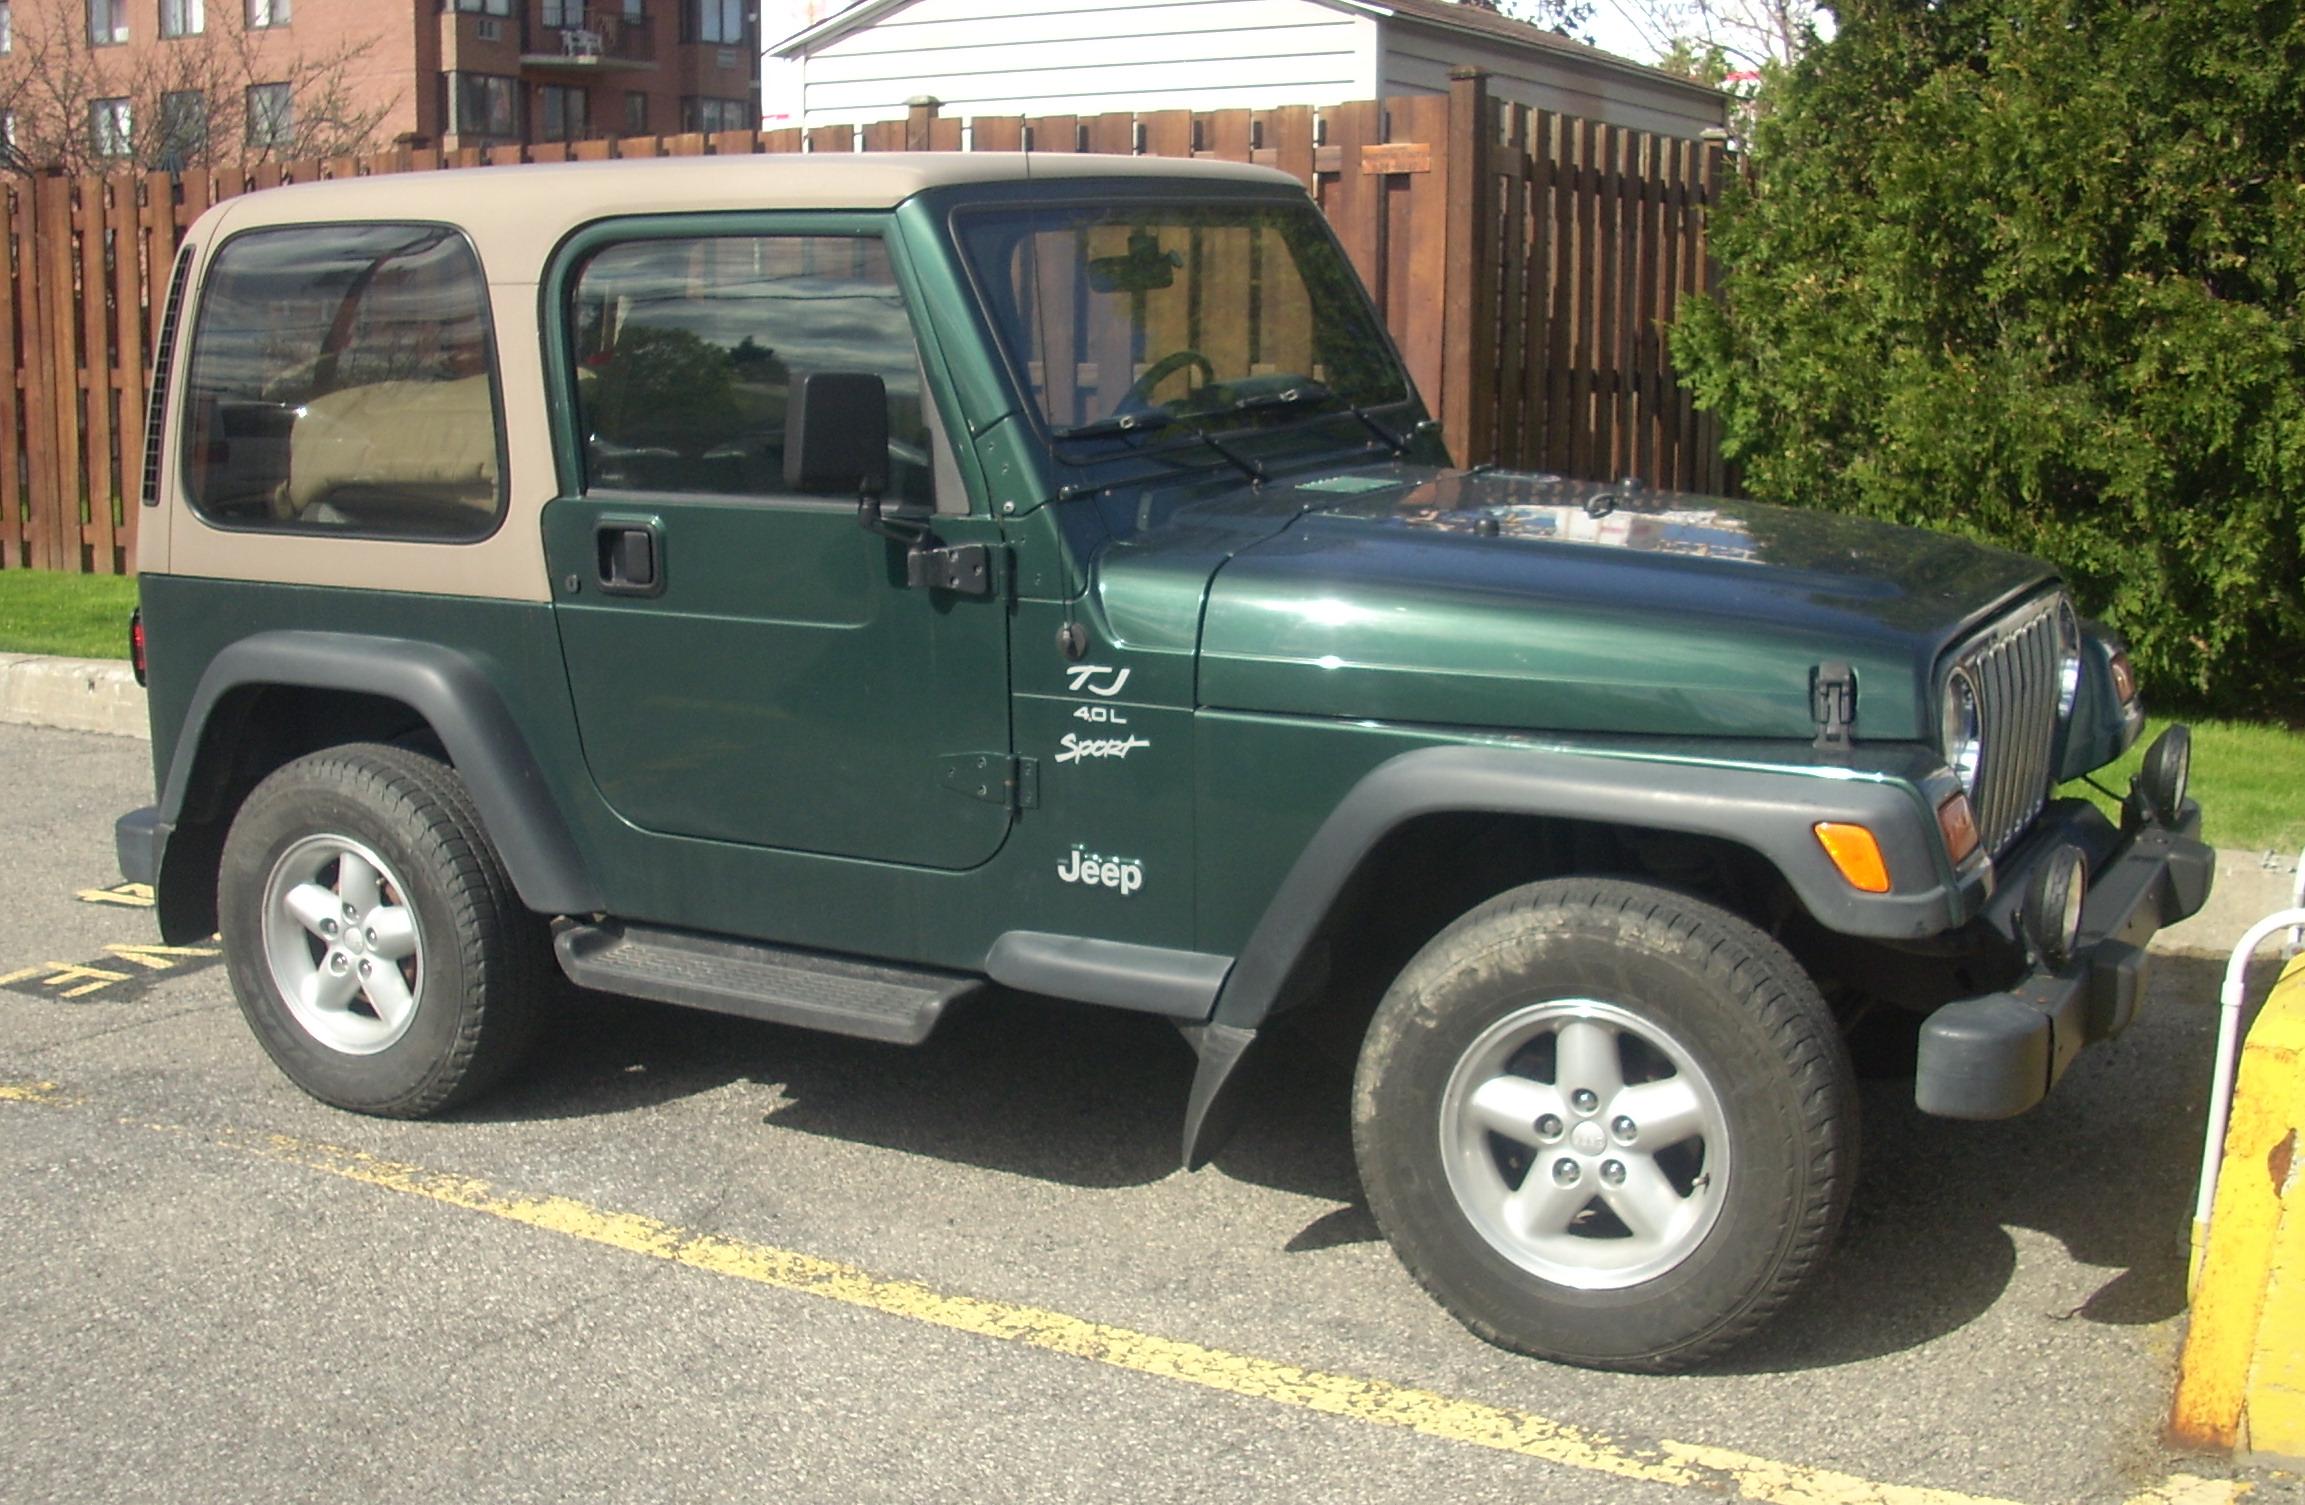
(683, 1256)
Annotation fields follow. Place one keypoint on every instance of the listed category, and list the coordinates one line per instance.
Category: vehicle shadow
(1079, 1096)
(1085, 1097)
(1094, 1098)
(2107, 1167)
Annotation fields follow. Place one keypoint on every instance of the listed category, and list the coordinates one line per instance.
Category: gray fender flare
(1772, 811)
(450, 692)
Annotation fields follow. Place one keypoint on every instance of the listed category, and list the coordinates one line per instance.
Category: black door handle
(631, 556)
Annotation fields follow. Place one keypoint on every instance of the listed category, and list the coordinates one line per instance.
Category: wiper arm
(1117, 423)
(1249, 467)
(1397, 443)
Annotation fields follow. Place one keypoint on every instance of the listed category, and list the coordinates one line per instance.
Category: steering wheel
(1139, 394)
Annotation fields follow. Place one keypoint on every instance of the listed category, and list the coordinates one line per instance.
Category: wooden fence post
(1469, 285)
(920, 123)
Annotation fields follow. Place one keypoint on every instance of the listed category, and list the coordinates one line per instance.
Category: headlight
(1963, 731)
(2068, 659)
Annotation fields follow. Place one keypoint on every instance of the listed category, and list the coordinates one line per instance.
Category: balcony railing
(590, 40)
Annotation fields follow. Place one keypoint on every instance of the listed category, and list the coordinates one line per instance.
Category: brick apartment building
(458, 73)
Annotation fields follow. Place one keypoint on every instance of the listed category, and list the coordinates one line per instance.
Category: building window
(271, 117)
(484, 105)
(564, 113)
(714, 20)
(700, 113)
(633, 10)
(486, 7)
(111, 128)
(183, 18)
(183, 126)
(341, 382)
(564, 13)
(107, 22)
(267, 13)
(635, 113)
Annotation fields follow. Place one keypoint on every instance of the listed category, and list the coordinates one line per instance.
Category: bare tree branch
(187, 101)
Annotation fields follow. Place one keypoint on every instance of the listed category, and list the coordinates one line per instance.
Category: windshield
(1131, 316)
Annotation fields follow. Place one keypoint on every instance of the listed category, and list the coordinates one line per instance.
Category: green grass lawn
(77, 616)
(2249, 778)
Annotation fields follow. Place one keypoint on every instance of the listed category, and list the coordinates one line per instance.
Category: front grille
(2015, 668)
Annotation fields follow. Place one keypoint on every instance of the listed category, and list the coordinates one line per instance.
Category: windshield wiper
(1309, 391)
(1145, 422)
(1298, 395)
(1117, 423)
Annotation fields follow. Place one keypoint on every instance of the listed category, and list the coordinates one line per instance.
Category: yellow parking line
(1377, 1402)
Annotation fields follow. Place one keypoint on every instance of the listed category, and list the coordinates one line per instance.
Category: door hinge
(995, 778)
(964, 569)
(1833, 705)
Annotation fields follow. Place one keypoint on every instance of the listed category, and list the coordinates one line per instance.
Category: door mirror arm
(929, 562)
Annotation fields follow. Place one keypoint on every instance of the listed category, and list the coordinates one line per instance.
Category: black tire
(1507, 1011)
(476, 960)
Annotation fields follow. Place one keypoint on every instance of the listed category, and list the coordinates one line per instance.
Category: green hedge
(2031, 271)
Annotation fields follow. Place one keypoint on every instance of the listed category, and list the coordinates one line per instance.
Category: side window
(687, 352)
(342, 381)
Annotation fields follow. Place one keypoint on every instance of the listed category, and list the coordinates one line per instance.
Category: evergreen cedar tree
(2030, 270)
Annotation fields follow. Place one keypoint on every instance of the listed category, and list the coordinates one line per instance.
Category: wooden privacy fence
(1526, 262)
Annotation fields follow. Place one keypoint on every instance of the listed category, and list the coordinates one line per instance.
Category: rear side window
(343, 381)
(687, 352)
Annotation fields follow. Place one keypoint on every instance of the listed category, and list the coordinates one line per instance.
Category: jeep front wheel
(374, 942)
(1606, 1123)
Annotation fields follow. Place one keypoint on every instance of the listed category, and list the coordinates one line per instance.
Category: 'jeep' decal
(1092, 871)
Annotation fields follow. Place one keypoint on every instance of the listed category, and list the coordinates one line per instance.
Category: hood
(1527, 602)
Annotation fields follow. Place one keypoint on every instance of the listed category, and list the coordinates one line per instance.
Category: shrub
(2030, 270)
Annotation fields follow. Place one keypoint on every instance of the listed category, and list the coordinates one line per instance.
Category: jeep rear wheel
(1606, 1123)
(374, 942)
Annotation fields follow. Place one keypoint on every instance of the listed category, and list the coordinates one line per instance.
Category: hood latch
(1833, 705)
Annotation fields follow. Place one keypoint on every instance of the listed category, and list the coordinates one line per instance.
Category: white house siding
(1085, 57)
(1417, 59)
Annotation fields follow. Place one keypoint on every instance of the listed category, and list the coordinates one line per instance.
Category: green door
(748, 664)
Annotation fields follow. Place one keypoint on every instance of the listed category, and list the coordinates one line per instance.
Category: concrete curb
(75, 694)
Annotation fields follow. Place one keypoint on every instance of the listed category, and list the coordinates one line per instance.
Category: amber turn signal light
(1856, 854)
(1957, 822)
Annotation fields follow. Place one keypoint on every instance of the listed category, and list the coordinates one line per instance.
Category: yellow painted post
(2242, 1378)
(2274, 1406)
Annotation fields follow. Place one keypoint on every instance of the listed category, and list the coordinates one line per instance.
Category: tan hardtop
(517, 214)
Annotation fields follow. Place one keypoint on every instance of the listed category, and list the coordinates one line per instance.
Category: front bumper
(1997, 1055)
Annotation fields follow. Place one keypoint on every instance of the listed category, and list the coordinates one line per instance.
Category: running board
(896, 1004)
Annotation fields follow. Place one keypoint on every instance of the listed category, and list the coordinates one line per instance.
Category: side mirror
(836, 434)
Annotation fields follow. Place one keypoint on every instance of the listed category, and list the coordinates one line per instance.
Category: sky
(1612, 31)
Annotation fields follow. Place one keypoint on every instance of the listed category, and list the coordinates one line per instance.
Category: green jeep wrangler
(823, 588)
